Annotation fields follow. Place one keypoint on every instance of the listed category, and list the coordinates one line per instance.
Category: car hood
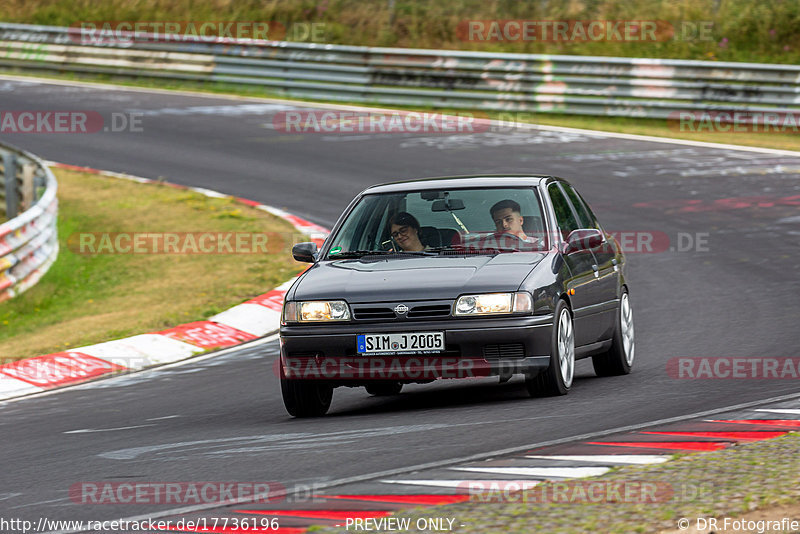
(414, 278)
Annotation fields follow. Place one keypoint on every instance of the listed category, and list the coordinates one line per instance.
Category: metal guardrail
(432, 78)
(29, 241)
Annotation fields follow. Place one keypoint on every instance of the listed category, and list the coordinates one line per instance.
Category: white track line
(468, 484)
(546, 472)
(633, 459)
(780, 410)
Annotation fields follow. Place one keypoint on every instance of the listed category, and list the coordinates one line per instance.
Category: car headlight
(494, 303)
(316, 311)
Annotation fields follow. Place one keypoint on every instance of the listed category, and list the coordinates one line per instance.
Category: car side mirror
(305, 252)
(583, 239)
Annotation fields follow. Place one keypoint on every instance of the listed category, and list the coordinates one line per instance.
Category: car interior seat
(532, 225)
(449, 237)
(429, 236)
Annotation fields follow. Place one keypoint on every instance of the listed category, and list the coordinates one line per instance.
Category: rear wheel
(619, 358)
(557, 378)
(306, 398)
(384, 389)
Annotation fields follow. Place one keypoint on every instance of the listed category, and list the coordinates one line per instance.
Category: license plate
(405, 343)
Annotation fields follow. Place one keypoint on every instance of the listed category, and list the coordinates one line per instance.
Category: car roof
(455, 182)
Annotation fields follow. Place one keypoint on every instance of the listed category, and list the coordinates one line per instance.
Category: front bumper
(475, 347)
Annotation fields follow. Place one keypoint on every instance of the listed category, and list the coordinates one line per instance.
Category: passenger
(405, 232)
(508, 219)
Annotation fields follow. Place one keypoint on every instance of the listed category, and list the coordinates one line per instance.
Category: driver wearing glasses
(405, 232)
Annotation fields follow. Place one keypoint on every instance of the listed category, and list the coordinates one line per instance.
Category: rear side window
(583, 209)
(564, 216)
(584, 218)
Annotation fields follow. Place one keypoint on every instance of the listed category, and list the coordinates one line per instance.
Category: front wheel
(619, 358)
(306, 398)
(557, 378)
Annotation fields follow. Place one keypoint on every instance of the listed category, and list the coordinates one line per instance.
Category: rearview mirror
(305, 252)
(450, 204)
(583, 239)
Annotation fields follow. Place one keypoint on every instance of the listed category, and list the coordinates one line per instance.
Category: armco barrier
(29, 241)
(437, 78)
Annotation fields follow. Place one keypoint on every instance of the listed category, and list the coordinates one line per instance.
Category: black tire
(618, 360)
(306, 398)
(552, 381)
(384, 389)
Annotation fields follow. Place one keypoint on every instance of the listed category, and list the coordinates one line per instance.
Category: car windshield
(435, 222)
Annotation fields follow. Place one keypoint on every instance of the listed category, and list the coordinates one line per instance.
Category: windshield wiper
(360, 253)
(417, 253)
(459, 249)
(357, 253)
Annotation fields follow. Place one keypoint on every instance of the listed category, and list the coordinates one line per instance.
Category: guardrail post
(28, 189)
(39, 183)
(12, 193)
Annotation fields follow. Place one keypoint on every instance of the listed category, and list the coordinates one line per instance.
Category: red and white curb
(245, 322)
(502, 478)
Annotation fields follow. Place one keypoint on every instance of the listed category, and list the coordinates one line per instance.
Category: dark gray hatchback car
(455, 277)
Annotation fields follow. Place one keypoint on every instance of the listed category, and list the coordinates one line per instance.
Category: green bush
(742, 30)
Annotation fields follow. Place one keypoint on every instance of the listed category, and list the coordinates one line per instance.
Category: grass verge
(86, 299)
(725, 30)
(732, 482)
(627, 125)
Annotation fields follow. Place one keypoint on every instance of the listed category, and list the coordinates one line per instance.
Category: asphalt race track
(733, 292)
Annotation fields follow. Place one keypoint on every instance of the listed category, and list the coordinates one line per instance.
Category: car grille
(418, 310)
(507, 350)
(433, 310)
(372, 313)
